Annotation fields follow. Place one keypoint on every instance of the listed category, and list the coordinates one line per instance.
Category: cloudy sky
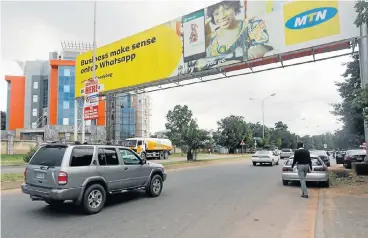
(30, 30)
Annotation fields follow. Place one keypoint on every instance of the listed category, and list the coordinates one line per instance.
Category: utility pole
(363, 59)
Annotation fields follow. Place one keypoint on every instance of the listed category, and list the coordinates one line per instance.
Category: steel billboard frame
(223, 71)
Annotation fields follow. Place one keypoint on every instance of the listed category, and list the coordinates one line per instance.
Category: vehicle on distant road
(265, 157)
(286, 153)
(86, 174)
(322, 154)
(352, 156)
(150, 148)
(318, 174)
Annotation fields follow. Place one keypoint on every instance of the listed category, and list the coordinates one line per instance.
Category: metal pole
(363, 58)
(263, 123)
(93, 66)
(75, 119)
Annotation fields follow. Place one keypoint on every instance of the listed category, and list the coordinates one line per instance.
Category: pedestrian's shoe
(304, 196)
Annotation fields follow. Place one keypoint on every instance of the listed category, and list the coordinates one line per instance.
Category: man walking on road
(304, 164)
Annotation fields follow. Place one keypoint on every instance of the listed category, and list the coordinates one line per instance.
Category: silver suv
(86, 174)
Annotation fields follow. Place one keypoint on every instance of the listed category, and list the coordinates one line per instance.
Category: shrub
(30, 153)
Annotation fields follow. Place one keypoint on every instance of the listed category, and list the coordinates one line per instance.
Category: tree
(350, 110)
(3, 120)
(193, 138)
(361, 7)
(184, 130)
(231, 131)
(281, 126)
(177, 120)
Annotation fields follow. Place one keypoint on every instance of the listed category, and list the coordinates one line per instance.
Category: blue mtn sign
(311, 18)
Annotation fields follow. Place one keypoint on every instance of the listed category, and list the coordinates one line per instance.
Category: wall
(19, 146)
(16, 103)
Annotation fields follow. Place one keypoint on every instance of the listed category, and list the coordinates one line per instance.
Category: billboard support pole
(363, 58)
(75, 119)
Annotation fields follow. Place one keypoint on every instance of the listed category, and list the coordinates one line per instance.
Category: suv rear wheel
(94, 199)
(154, 187)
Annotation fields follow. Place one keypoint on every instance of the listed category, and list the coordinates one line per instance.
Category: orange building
(44, 95)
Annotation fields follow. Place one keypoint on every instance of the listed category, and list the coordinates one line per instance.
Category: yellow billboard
(145, 57)
(225, 33)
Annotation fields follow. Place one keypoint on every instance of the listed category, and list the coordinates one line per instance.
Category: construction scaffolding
(128, 115)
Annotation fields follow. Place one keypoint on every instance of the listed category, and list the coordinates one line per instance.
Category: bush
(30, 153)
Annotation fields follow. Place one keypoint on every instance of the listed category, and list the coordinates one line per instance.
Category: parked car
(323, 155)
(265, 157)
(86, 174)
(340, 157)
(352, 156)
(318, 174)
(286, 153)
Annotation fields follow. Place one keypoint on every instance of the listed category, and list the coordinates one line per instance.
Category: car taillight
(25, 173)
(62, 178)
(286, 169)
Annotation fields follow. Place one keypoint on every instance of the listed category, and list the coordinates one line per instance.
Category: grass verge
(345, 181)
(12, 177)
(12, 159)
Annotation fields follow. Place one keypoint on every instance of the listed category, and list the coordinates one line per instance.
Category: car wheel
(54, 203)
(154, 187)
(272, 163)
(254, 163)
(277, 163)
(327, 184)
(166, 155)
(161, 156)
(94, 199)
(285, 182)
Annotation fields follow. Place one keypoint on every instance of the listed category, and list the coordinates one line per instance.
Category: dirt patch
(11, 185)
(344, 181)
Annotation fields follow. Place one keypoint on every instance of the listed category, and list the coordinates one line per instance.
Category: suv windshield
(286, 150)
(49, 156)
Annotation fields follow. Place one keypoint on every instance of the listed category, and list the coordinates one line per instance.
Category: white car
(265, 157)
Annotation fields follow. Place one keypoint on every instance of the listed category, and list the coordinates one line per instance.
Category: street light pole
(93, 67)
(263, 112)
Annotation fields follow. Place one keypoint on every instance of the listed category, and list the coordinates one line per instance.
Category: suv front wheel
(94, 199)
(154, 187)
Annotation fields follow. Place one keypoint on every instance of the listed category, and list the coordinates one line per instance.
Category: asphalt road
(230, 200)
(8, 169)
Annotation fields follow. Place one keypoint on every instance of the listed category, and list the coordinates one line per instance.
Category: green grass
(203, 160)
(12, 159)
(12, 177)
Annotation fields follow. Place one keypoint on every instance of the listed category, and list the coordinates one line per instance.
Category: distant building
(42, 102)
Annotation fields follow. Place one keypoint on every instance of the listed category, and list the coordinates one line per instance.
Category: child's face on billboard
(224, 16)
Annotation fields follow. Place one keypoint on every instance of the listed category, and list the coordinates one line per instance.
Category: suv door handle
(126, 168)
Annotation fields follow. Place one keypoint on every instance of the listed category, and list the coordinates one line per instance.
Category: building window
(34, 112)
(66, 88)
(35, 98)
(66, 121)
(66, 104)
(67, 72)
(35, 85)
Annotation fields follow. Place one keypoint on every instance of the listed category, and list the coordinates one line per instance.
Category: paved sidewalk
(341, 214)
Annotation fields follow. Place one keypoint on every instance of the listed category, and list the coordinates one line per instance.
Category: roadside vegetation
(12, 177)
(12, 159)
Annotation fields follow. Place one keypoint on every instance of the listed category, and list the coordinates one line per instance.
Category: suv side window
(101, 157)
(108, 156)
(129, 158)
(81, 156)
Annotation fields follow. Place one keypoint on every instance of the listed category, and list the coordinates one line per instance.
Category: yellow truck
(150, 148)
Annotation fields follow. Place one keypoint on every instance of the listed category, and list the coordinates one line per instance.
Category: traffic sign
(242, 143)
